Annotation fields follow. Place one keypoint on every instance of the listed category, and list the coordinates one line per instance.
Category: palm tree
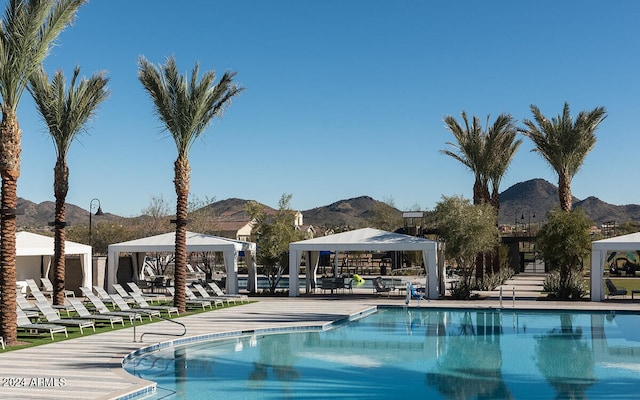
(564, 143)
(488, 155)
(27, 32)
(185, 107)
(66, 114)
(501, 147)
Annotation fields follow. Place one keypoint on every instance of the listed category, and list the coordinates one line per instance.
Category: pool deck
(90, 367)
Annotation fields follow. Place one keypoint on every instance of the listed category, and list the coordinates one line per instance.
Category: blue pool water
(417, 354)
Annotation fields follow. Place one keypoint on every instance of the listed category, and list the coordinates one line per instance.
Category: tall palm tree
(487, 153)
(66, 113)
(186, 107)
(27, 32)
(564, 143)
(501, 147)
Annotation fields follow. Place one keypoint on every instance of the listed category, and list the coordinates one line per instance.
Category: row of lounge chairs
(49, 319)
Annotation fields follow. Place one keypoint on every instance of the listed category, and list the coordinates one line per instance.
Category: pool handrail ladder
(158, 333)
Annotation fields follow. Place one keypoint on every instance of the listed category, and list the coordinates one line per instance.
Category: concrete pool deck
(89, 367)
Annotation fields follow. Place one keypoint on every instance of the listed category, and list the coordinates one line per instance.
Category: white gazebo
(196, 242)
(34, 254)
(599, 250)
(366, 239)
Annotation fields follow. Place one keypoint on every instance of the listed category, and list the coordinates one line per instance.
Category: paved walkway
(90, 367)
(523, 286)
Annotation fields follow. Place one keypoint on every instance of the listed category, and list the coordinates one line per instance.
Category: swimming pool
(423, 353)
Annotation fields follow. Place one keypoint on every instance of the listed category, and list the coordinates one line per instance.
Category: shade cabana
(34, 254)
(366, 239)
(599, 250)
(196, 242)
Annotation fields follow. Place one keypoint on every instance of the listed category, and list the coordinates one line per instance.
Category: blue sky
(343, 98)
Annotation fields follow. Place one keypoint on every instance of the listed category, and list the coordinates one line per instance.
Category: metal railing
(156, 333)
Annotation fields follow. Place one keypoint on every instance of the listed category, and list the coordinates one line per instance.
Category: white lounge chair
(194, 302)
(218, 292)
(33, 287)
(108, 297)
(28, 308)
(48, 287)
(158, 297)
(25, 324)
(216, 302)
(123, 306)
(142, 303)
(52, 317)
(104, 310)
(123, 293)
(205, 294)
(39, 296)
(83, 313)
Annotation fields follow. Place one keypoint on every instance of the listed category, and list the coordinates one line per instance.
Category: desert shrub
(461, 290)
(492, 281)
(574, 289)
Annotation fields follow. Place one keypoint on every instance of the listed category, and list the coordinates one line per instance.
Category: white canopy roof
(32, 244)
(366, 239)
(599, 249)
(195, 242)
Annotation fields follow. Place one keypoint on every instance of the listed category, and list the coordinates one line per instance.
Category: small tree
(201, 215)
(386, 216)
(103, 234)
(467, 230)
(272, 234)
(563, 242)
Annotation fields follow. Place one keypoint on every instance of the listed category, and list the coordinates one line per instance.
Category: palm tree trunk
(495, 259)
(478, 194)
(60, 185)
(182, 183)
(10, 171)
(564, 192)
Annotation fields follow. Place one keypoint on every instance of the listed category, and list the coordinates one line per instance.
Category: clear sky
(343, 98)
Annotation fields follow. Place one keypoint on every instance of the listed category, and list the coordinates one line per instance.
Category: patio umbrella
(631, 256)
(613, 254)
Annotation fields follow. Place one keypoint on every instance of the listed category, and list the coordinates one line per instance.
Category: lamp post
(528, 221)
(98, 213)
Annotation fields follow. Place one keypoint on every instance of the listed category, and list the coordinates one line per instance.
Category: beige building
(240, 228)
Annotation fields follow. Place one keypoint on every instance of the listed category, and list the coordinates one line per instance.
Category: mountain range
(524, 202)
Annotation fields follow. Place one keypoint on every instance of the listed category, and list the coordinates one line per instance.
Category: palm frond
(186, 105)
(67, 111)
(29, 29)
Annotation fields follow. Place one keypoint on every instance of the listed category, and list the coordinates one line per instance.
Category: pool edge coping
(146, 387)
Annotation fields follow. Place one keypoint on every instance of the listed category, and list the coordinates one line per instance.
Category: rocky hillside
(354, 213)
(38, 216)
(534, 198)
(524, 202)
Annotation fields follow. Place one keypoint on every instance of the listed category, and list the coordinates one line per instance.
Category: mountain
(523, 203)
(355, 213)
(351, 212)
(530, 201)
(602, 212)
(37, 216)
